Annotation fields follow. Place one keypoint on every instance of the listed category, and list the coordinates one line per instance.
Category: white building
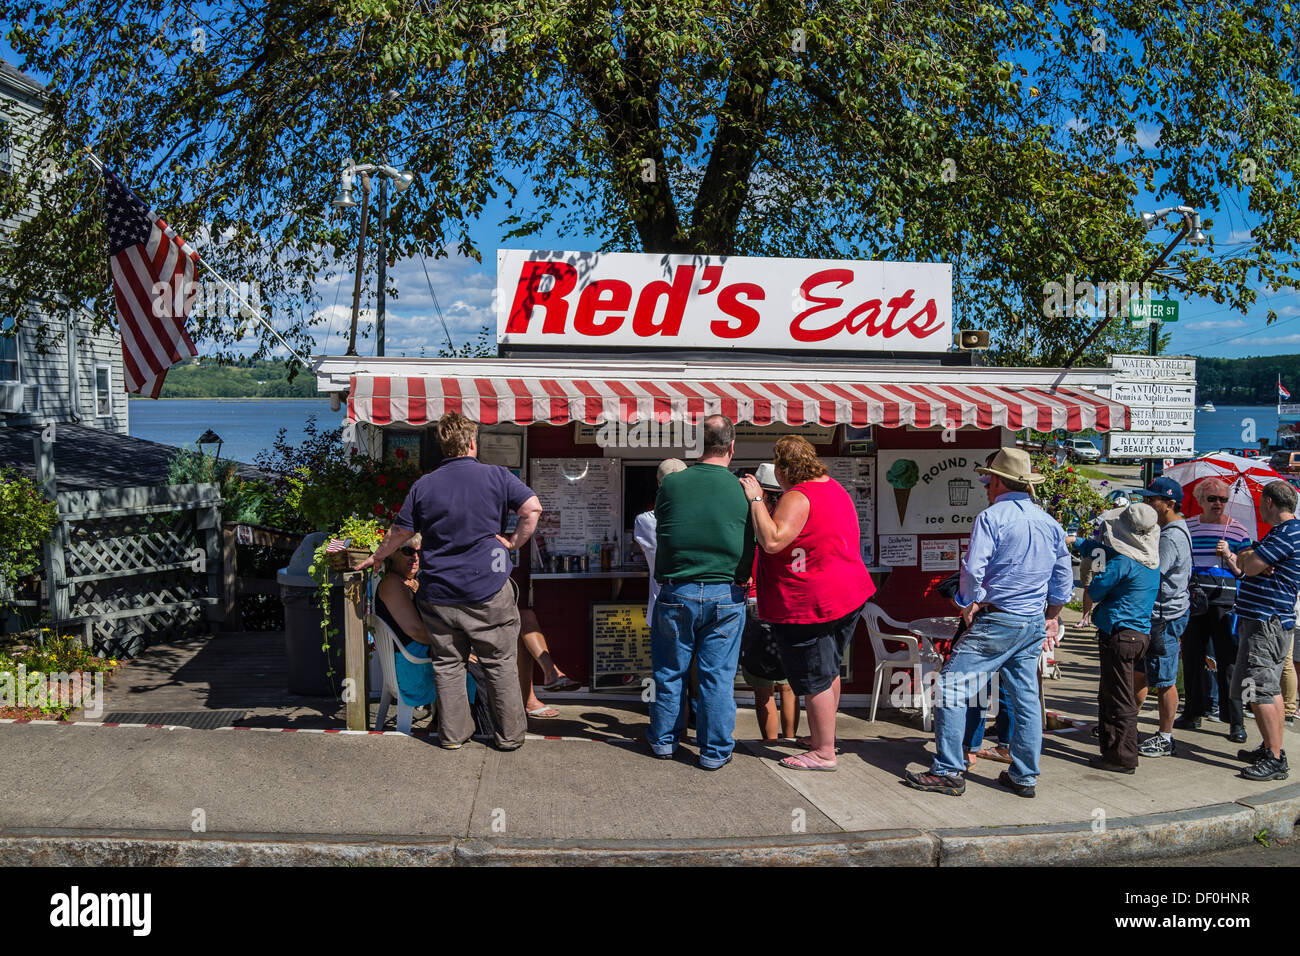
(77, 378)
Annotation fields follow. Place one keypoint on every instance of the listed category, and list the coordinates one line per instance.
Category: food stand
(607, 361)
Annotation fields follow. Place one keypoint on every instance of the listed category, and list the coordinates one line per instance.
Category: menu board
(856, 475)
(620, 646)
(898, 550)
(582, 501)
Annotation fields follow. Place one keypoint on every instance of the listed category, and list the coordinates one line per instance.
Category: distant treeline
(1247, 381)
(246, 379)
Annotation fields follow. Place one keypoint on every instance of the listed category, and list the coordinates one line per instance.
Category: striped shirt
(1206, 537)
(1264, 595)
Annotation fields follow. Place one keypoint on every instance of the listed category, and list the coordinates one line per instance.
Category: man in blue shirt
(1015, 579)
(466, 597)
(1265, 625)
(1125, 588)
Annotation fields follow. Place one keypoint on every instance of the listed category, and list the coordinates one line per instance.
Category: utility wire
(436, 306)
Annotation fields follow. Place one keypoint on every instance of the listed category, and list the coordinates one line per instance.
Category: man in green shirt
(705, 557)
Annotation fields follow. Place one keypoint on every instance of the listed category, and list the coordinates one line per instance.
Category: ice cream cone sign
(902, 477)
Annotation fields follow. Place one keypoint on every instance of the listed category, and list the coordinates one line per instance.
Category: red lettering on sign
(746, 316)
(527, 296)
(605, 295)
(643, 320)
(841, 278)
(862, 318)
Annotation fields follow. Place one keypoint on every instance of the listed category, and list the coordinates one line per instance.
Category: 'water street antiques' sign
(1160, 393)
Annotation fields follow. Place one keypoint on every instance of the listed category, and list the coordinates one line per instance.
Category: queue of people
(771, 564)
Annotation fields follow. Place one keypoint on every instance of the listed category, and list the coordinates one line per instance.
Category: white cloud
(1274, 340)
(1214, 325)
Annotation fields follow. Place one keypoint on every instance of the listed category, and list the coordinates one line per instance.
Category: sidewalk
(129, 794)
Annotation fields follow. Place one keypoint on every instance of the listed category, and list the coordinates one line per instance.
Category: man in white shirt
(643, 531)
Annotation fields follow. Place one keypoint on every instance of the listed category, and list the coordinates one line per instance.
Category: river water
(249, 425)
(246, 425)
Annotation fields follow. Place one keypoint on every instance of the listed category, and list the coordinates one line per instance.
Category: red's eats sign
(724, 302)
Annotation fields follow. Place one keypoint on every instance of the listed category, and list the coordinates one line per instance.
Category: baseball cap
(1162, 487)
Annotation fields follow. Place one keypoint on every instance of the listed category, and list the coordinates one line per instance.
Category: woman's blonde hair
(1209, 484)
(796, 458)
(412, 542)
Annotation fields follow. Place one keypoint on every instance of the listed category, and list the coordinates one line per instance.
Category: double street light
(1191, 231)
(401, 179)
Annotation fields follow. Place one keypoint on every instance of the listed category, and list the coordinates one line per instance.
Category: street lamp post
(402, 179)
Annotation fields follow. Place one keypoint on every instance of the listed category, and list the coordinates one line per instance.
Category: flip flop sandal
(561, 684)
(541, 712)
(800, 762)
(994, 756)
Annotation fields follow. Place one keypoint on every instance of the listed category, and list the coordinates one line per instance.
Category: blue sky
(464, 290)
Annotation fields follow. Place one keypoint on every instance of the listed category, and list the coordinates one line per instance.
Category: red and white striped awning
(421, 400)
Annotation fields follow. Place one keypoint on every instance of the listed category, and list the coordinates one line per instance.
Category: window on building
(8, 351)
(6, 148)
(103, 391)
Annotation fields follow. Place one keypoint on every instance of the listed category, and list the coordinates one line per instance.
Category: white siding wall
(59, 401)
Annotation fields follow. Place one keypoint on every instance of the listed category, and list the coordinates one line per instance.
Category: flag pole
(246, 308)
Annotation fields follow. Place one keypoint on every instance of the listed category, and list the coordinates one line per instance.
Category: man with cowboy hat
(1015, 579)
(1125, 589)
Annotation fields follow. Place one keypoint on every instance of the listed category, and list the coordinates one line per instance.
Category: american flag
(1282, 393)
(142, 252)
(337, 544)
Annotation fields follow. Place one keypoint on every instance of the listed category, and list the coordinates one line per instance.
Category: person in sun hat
(1124, 589)
(1170, 615)
(1015, 579)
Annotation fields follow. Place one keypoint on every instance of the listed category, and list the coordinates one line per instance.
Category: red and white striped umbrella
(1245, 480)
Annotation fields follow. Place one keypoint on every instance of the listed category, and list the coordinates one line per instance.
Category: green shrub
(26, 520)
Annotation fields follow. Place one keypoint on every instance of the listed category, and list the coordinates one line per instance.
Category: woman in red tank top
(812, 585)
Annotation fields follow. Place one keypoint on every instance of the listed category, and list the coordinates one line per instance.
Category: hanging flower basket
(349, 559)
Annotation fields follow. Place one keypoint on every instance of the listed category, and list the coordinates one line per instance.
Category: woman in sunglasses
(1213, 626)
(395, 605)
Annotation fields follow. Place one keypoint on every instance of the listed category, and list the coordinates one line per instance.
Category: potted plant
(361, 537)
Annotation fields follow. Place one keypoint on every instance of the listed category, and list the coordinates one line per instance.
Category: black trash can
(308, 669)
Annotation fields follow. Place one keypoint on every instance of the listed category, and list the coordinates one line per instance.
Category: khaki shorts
(1261, 652)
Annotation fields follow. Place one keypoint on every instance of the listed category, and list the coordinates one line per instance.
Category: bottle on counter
(606, 554)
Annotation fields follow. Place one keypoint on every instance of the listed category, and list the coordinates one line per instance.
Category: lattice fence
(130, 567)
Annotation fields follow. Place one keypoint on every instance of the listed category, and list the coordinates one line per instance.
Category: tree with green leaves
(1000, 137)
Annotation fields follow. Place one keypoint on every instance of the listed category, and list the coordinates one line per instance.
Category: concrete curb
(1124, 839)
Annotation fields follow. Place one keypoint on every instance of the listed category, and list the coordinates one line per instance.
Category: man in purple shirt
(466, 597)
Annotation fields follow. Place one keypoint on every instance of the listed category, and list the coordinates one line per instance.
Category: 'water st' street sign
(1142, 311)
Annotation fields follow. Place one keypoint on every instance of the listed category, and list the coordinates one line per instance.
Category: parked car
(1285, 462)
(1128, 494)
(1080, 449)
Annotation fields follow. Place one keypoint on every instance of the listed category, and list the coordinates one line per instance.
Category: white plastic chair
(386, 644)
(911, 658)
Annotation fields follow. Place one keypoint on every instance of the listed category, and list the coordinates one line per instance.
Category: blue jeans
(1003, 725)
(704, 620)
(1009, 644)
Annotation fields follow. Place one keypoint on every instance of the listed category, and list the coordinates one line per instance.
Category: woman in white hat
(1124, 589)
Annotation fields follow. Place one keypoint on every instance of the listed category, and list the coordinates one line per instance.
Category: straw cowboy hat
(766, 477)
(1134, 532)
(1014, 465)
